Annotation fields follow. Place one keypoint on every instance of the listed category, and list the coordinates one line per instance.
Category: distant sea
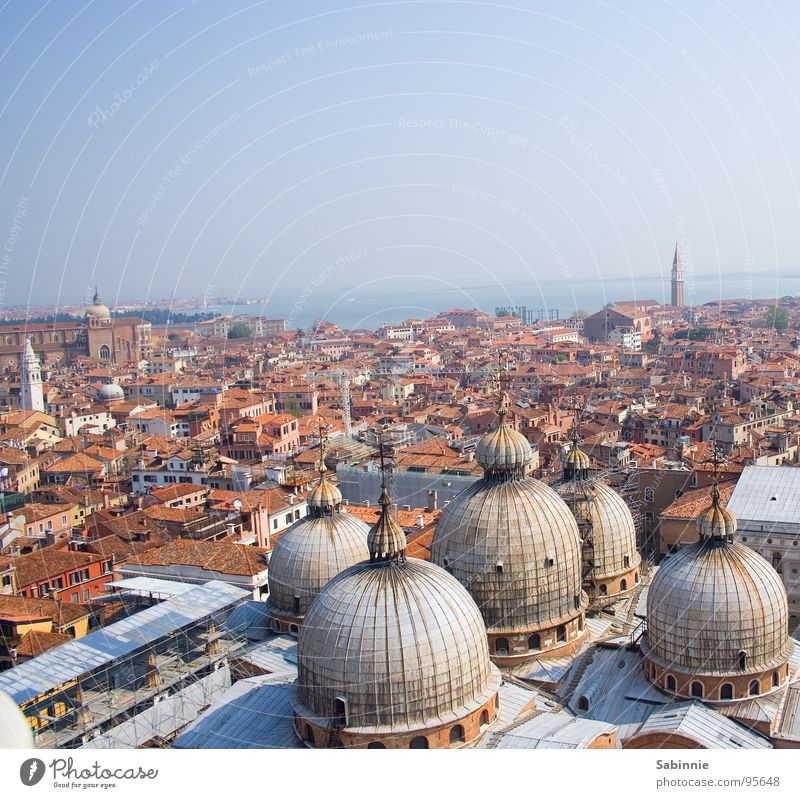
(392, 301)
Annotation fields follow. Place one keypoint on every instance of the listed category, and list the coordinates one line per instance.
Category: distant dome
(97, 310)
(311, 552)
(513, 542)
(610, 555)
(393, 653)
(717, 608)
(110, 392)
(15, 731)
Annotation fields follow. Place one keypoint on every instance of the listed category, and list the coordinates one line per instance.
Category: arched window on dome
(636, 577)
(623, 584)
(501, 646)
(340, 711)
(309, 735)
(484, 718)
(105, 353)
(534, 642)
(776, 679)
(583, 704)
(457, 734)
(419, 742)
(296, 604)
(697, 689)
(603, 589)
(742, 660)
(726, 692)
(581, 622)
(561, 634)
(755, 687)
(376, 744)
(626, 561)
(671, 684)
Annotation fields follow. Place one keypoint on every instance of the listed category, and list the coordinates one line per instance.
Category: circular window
(769, 540)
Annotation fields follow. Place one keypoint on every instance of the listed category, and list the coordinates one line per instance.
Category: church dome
(311, 552)
(97, 310)
(110, 392)
(717, 608)
(503, 449)
(611, 558)
(513, 542)
(393, 653)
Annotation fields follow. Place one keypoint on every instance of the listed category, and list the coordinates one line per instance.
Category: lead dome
(611, 560)
(393, 654)
(514, 544)
(717, 617)
(97, 310)
(311, 552)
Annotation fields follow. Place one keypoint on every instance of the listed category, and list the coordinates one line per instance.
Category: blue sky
(285, 147)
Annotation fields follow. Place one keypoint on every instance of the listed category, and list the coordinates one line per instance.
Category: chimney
(433, 500)
(420, 521)
(469, 456)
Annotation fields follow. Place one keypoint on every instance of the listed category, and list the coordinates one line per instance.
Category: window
(742, 660)
(484, 718)
(498, 568)
(626, 561)
(73, 578)
(86, 594)
(623, 584)
(583, 703)
(340, 711)
(309, 735)
(74, 598)
(105, 352)
(776, 679)
(534, 642)
(501, 646)
(561, 634)
(726, 692)
(697, 689)
(296, 605)
(755, 687)
(376, 744)
(649, 495)
(457, 734)
(419, 742)
(671, 683)
(603, 589)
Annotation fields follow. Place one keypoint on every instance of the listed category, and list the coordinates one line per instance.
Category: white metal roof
(554, 730)
(76, 658)
(254, 713)
(767, 495)
(150, 586)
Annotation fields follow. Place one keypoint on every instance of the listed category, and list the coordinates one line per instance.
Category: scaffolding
(147, 693)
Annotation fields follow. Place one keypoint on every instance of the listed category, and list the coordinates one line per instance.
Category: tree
(579, 314)
(240, 329)
(777, 318)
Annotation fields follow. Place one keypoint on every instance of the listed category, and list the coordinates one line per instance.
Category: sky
(294, 149)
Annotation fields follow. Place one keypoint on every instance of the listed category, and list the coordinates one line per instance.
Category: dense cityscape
(587, 524)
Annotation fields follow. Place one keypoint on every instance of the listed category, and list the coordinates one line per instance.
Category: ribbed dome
(575, 462)
(309, 554)
(110, 392)
(499, 538)
(401, 642)
(717, 521)
(713, 600)
(613, 530)
(503, 449)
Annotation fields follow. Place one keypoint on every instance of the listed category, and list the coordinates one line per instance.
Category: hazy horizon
(269, 150)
